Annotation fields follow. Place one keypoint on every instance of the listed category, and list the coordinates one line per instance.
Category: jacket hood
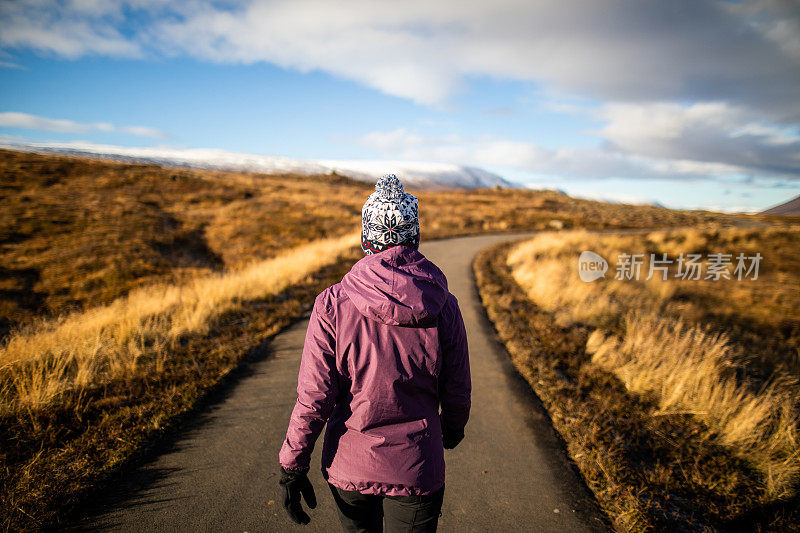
(398, 286)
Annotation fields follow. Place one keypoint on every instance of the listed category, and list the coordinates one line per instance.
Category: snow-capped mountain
(414, 174)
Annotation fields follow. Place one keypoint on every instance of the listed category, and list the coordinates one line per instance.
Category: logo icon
(591, 266)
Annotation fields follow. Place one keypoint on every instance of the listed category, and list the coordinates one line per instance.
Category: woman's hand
(296, 484)
(451, 437)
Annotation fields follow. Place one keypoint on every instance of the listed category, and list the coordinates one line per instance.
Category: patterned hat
(389, 217)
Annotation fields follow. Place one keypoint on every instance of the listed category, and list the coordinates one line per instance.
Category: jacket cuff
(294, 470)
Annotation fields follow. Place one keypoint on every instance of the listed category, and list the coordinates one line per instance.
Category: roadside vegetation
(129, 291)
(76, 232)
(677, 399)
(87, 348)
(73, 417)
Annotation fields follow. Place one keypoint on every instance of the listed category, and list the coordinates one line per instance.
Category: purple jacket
(385, 348)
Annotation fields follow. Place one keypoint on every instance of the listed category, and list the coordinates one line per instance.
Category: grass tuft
(41, 362)
(676, 402)
(652, 340)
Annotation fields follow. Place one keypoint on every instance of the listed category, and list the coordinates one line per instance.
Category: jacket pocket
(401, 433)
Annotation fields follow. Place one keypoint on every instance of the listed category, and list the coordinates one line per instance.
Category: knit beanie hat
(389, 217)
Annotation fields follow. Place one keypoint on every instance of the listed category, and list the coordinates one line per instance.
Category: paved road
(509, 473)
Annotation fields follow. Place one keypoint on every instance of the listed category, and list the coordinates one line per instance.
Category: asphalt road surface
(509, 474)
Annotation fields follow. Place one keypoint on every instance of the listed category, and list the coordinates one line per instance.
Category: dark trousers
(365, 513)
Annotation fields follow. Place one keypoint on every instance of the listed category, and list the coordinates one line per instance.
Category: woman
(384, 350)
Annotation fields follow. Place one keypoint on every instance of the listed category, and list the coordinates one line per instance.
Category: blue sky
(691, 104)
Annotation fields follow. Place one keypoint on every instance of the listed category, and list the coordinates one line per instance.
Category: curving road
(509, 473)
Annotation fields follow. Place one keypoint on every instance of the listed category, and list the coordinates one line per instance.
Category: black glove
(451, 437)
(295, 483)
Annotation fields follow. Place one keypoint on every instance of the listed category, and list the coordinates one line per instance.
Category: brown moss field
(129, 293)
(678, 399)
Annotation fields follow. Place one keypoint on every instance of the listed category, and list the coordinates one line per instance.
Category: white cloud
(34, 122)
(778, 20)
(706, 132)
(747, 53)
(616, 49)
(11, 64)
(614, 197)
(141, 131)
(567, 161)
(70, 29)
(738, 63)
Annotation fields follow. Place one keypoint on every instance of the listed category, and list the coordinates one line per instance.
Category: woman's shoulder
(328, 299)
(450, 310)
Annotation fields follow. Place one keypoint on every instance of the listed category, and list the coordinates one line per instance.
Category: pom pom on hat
(389, 187)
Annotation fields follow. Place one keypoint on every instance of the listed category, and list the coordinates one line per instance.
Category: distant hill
(792, 207)
(414, 174)
(78, 232)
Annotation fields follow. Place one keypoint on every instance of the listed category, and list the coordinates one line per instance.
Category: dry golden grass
(77, 233)
(42, 361)
(81, 232)
(128, 290)
(463, 212)
(58, 456)
(672, 339)
(689, 371)
(650, 469)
